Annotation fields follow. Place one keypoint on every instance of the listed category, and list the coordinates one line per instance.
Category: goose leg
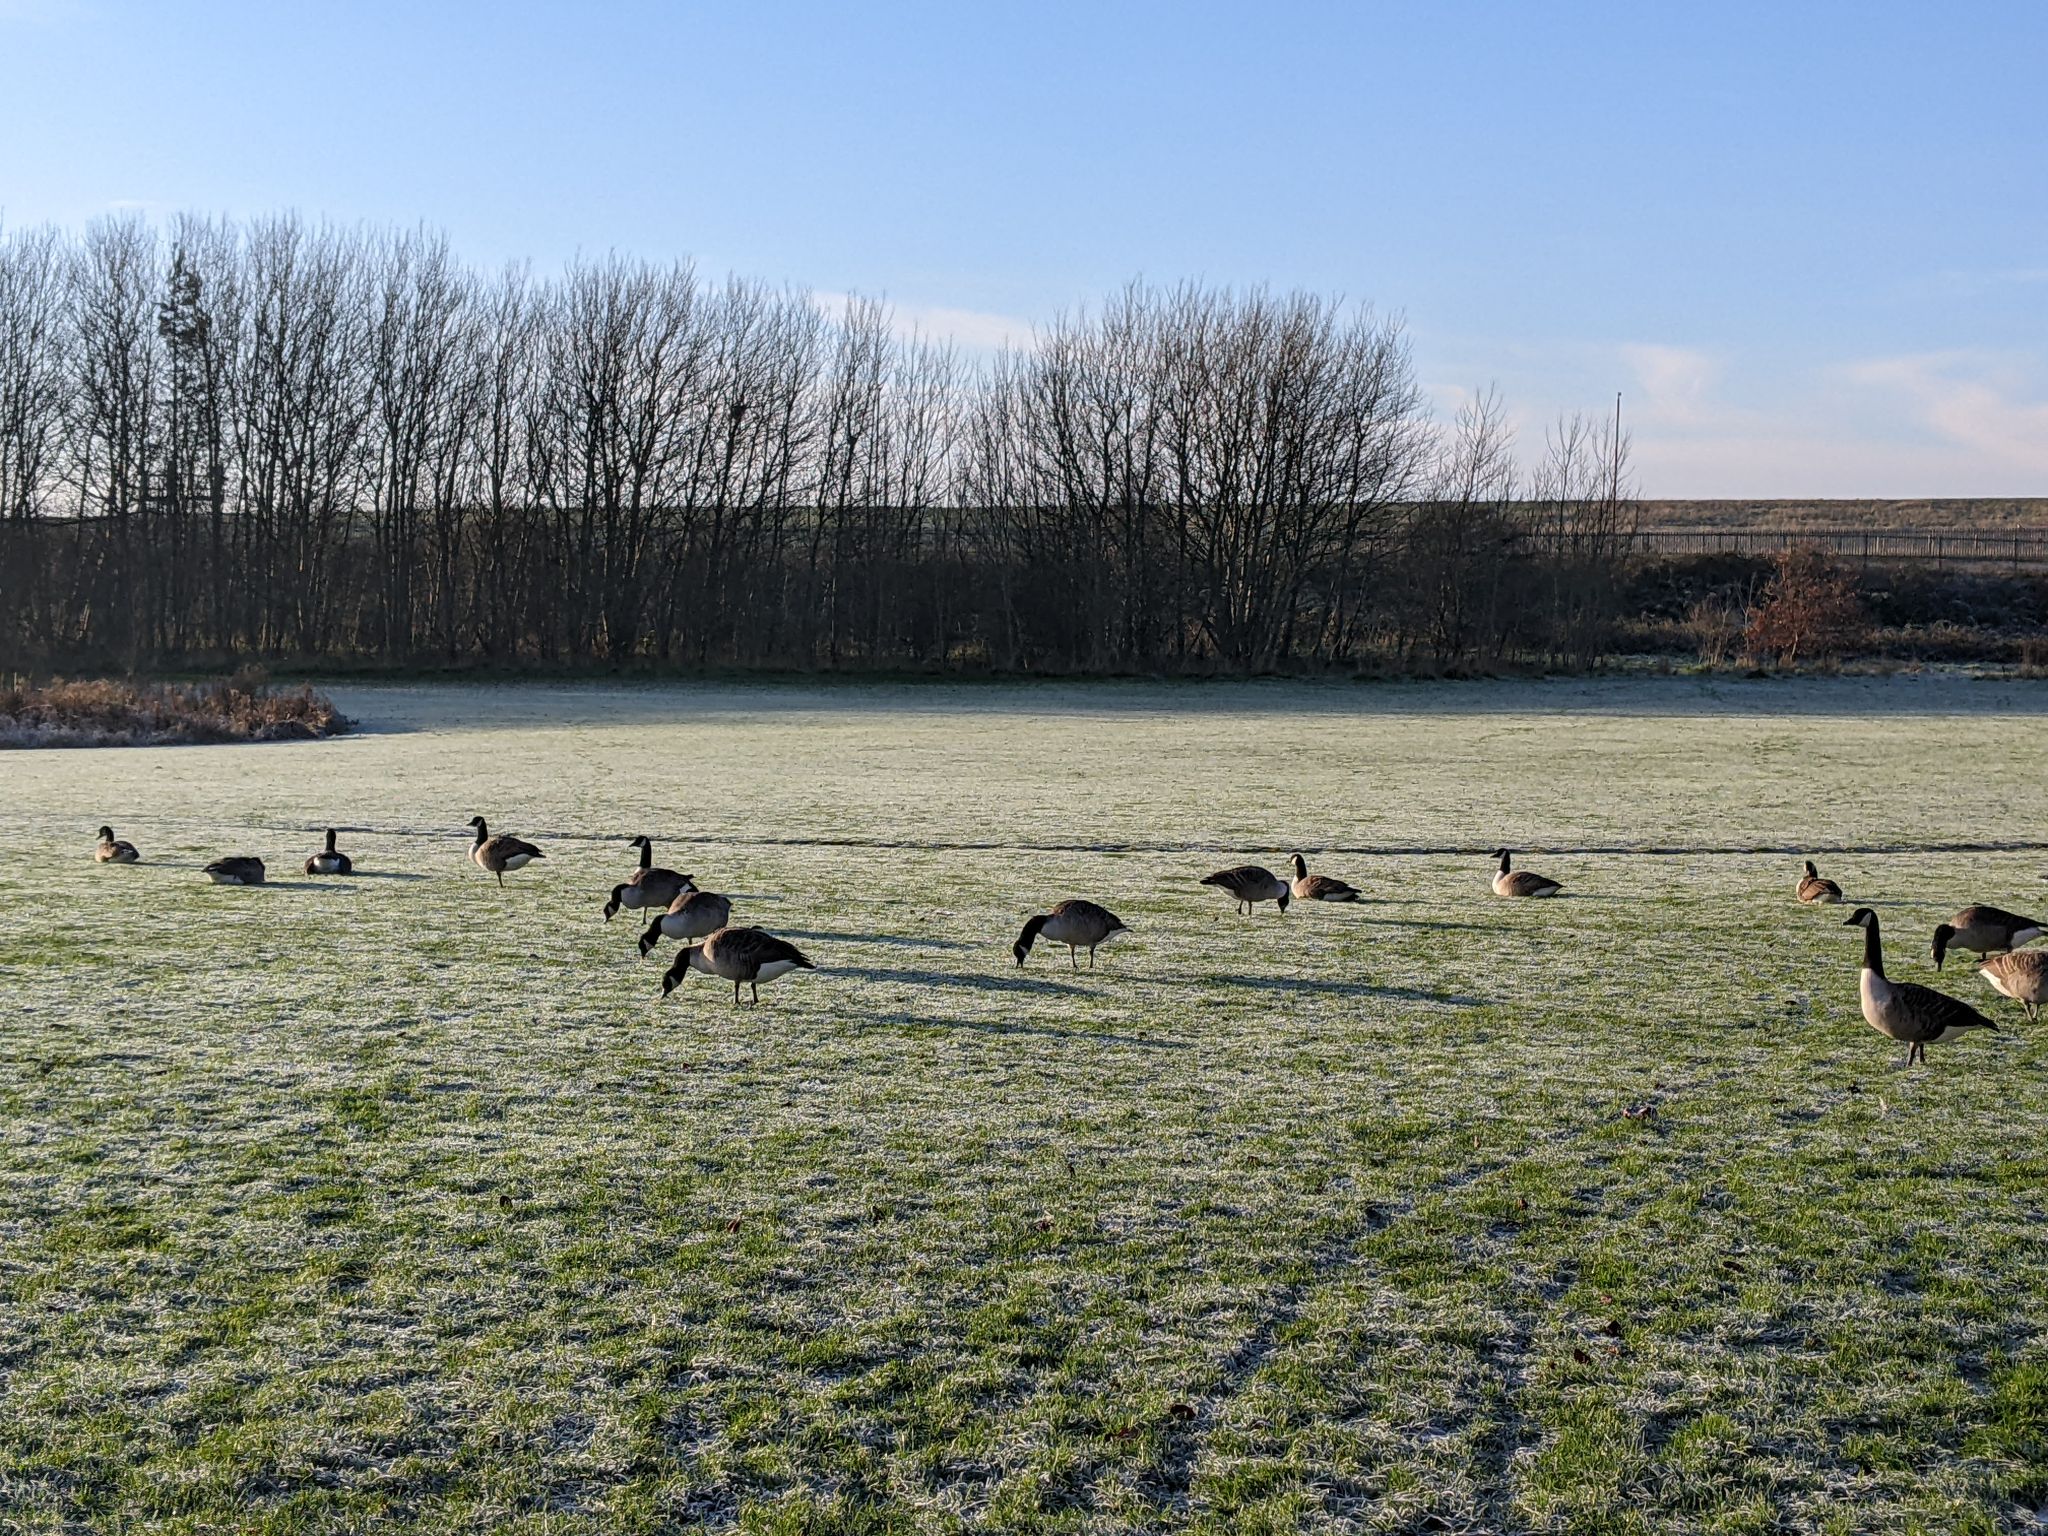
(1073, 960)
(756, 986)
(735, 992)
(1091, 957)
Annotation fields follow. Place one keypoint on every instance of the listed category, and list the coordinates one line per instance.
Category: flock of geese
(701, 921)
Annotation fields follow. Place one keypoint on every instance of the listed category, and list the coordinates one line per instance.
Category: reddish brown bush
(1809, 611)
(105, 713)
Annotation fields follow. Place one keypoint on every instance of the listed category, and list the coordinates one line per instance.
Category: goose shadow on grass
(1347, 989)
(900, 940)
(380, 874)
(1007, 1027)
(1028, 985)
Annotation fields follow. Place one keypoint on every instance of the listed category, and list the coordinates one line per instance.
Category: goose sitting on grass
(236, 869)
(1816, 891)
(1912, 1014)
(1308, 887)
(329, 861)
(112, 850)
(1077, 924)
(1509, 881)
(742, 956)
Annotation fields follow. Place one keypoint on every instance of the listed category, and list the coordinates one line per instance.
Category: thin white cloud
(1975, 401)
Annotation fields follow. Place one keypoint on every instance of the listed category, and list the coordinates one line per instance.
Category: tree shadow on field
(1348, 989)
(994, 1027)
(380, 874)
(900, 940)
(1029, 985)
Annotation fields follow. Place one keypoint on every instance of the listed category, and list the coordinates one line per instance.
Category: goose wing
(505, 846)
(1929, 1015)
(1524, 883)
(1992, 917)
(749, 949)
(1242, 878)
(1081, 922)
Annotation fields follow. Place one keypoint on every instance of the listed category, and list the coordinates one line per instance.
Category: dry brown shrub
(1808, 612)
(102, 712)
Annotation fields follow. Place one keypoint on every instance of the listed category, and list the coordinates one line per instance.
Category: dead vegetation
(105, 712)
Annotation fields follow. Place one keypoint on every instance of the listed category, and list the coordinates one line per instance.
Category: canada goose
(649, 887)
(113, 850)
(236, 869)
(1907, 1012)
(1249, 885)
(1308, 887)
(500, 853)
(692, 915)
(1816, 890)
(1519, 882)
(1986, 930)
(737, 955)
(1077, 924)
(328, 862)
(2021, 976)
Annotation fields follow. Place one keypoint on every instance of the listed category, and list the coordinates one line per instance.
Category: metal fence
(1940, 548)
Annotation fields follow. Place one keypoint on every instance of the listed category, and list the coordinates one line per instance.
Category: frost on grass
(404, 1199)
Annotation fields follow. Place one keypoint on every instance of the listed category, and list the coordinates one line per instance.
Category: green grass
(406, 1202)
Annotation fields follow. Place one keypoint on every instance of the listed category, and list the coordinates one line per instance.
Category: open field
(406, 1199)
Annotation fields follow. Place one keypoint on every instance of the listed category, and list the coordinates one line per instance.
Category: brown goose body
(498, 854)
(1904, 1011)
(1984, 931)
(236, 869)
(651, 887)
(1308, 887)
(1250, 884)
(692, 915)
(1816, 891)
(1077, 924)
(2021, 976)
(113, 850)
(330, 861)
(742, 956)
(1509, 881)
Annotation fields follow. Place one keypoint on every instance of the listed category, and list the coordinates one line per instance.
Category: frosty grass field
(406, 1199)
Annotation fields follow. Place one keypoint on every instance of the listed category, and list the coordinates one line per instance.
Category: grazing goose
(1077, 924)
(236, 869)
(1984, 930)
(1816, 890)
(500, 853)
(1249, 885)
(737, 955)
(1519, 882)
(1907, 1012)
(649, 887)
(328, 862)
(113, 850)
(692, 915)
(2021, 976)
(1308, 887)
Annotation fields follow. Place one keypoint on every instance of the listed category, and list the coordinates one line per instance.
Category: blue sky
(1808, 242)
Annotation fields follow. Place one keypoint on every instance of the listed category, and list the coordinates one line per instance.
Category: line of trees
(277, 440)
